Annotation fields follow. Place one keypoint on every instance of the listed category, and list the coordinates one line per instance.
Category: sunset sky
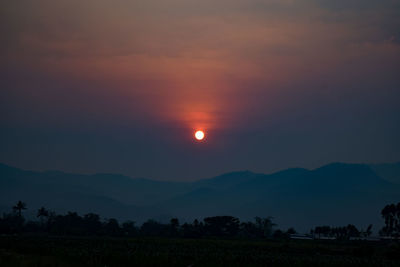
(121, 86)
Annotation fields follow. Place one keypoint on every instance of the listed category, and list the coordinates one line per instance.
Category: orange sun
(199, 135)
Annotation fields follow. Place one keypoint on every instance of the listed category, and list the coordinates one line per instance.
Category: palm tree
(19, 207)
(42, 213)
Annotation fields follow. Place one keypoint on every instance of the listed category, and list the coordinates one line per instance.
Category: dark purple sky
(121, 86)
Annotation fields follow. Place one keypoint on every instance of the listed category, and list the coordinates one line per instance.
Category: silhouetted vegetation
(341, 233)
(73, 240)
(72, 224)
(391, 215)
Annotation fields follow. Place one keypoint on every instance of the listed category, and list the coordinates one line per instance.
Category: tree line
(390, 213)
(345, 232)
(217, 226)
(91, 224)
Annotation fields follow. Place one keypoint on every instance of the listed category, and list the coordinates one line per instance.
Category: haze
(121, 86)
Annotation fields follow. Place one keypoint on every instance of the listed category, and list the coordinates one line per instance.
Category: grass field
(58, 251)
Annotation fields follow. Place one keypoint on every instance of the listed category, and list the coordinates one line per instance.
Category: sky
(121, 86)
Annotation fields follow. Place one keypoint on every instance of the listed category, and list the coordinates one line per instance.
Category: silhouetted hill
(121, 188)
(335, 194)
(68, 192)
(388, 171)
(227, 180)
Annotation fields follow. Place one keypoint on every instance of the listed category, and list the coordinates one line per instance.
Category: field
(57, 251)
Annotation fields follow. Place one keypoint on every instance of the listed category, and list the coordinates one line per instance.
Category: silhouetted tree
(221, 225)
(198, 228)
(322, 230)
(129, 228)
(42, 213)
(352, 231)
(174, 223)
(194, 230)
(19, 207)
(92, 224)
(367, 232)
(265, 225)
(249, 229)
(217, 226)
(111, 227)
(391, 214)
(154, 228)
(337, 232)
(279, 234)
(291, 231)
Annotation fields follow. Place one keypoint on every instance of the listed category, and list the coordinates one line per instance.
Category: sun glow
(199, 135)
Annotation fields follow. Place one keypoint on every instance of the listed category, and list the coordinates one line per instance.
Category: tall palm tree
(19, 207)
(42, 213)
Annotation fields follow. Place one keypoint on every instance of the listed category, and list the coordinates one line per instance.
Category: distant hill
(335, 194)
(388, 171)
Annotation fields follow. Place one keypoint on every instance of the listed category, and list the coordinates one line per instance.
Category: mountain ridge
(336, 193)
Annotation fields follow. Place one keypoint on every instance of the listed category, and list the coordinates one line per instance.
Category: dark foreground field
(53, 251)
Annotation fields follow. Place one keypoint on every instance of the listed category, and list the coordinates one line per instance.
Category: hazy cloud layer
(275, 83)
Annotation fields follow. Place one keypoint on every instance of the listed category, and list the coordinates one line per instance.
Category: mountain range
(335, 194)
